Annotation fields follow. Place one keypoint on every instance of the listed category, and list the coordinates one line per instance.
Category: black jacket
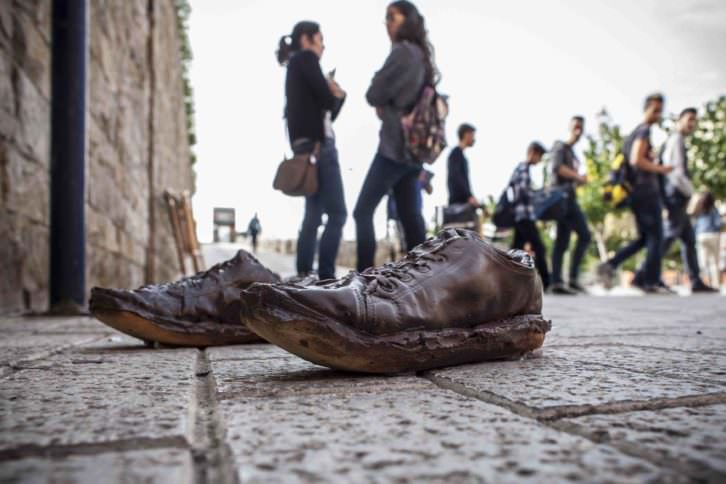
(308, 97)
(458, 177)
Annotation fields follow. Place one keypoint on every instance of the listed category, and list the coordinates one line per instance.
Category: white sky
(517, 70)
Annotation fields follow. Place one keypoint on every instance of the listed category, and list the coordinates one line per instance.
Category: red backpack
(424, 130)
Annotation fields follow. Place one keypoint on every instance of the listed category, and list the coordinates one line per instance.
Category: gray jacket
(395, 89)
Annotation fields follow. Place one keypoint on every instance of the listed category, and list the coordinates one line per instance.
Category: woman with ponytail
(393, 92)
(313, 103)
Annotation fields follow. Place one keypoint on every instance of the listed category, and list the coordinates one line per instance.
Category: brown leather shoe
(200, 310)
(453, 299)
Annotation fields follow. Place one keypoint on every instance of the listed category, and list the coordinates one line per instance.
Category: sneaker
(701, 288)
(453, 299)
(577, 288)
(560, 289)
(606, 275)
(200, 310)
(659, 289)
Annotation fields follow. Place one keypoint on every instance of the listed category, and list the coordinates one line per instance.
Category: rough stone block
(99, 395)
(548, 383)
(132, 466)
(676, 364)
(400, 429)
(693, 439)
(29, 183)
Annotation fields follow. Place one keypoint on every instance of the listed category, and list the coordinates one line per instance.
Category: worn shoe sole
(139, 327)
(329, 343)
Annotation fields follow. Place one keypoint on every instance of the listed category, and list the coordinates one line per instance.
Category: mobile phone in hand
(331, 74)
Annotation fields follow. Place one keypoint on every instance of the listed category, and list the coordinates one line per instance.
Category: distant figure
(678, 188)
(313, 103)
(525, 228)
(708, 236)
(566, 176)
(458, 169)
(393, 91)
(254, 229)
(645, 203)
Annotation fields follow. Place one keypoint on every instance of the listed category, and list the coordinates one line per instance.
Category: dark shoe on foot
(701, 288)
(659, 289)
(453, 299)
(560, 289)
(200, 310)
(606, 275)
(577, 288)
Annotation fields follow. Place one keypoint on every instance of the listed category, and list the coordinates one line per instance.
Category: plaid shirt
(521, 184)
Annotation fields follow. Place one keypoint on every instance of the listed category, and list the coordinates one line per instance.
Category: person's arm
(674, 155)
(388, 82)
(640, 158)
(313, 75)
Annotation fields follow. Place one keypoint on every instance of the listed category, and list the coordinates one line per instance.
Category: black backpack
(503, 216)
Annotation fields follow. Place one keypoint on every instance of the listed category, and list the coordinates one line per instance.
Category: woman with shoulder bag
(313, 103)
(393, 92)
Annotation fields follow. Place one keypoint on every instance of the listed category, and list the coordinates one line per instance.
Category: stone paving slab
(676, 364)
(698, 343)
(98, 394)
(132, 467)
(371, 429)
(290, 376)
(45, 324)
(21, 348)
(691, 438)
(546, 383)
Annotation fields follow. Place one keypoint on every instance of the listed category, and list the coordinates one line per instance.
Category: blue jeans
(573, 221)
(329, 200)
(383, 176)
(647, 208)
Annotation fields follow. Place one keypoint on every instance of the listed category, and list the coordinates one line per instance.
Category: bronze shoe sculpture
(453, 299)
(200, 310)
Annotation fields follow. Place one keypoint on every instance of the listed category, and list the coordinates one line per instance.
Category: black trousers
(526, 231)
(383, 176)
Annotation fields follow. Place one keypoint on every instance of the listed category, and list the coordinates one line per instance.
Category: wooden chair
(185, 231)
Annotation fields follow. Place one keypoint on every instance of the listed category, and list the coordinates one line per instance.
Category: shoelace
(196, 280)
(385, 277)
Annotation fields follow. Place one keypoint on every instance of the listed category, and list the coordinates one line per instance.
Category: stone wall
(137, 146)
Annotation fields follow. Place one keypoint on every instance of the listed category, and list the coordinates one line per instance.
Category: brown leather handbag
(298, 176)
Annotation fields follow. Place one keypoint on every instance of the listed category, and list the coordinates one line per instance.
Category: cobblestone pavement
(625, 390)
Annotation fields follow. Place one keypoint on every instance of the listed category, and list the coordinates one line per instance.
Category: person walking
(677, 191)
(393, 92)
(313, 103)
(525, 228)
(566, 176)
(254, 228)
(708, 237)
(458, 169)
(645, 202)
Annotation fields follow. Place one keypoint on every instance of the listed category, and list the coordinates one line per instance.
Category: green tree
(708, 149)
(600, 152)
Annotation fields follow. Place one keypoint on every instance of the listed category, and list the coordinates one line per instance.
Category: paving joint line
(211, 457)
(93, 448)
(553, 418)
(20, 365)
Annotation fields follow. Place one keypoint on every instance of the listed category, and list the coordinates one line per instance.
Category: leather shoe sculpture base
(200, 310)
(453, 299)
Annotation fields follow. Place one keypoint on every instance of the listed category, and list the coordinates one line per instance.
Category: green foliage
(599, 155)
(708, 149)
(183, 10)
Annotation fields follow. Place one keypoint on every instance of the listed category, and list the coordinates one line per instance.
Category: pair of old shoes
(453, 299)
